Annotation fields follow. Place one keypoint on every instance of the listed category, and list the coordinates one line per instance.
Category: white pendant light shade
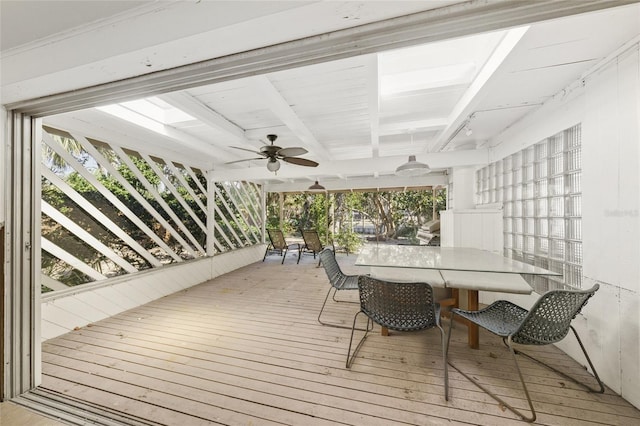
(412, 168)
(273, 165)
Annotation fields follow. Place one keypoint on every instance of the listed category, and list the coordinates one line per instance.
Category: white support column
(211, 214)
(264, 211)
(281, 196)
(433, 203)
(463, 188)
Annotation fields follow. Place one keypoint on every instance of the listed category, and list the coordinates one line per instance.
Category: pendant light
(317, 187)
(412, 167)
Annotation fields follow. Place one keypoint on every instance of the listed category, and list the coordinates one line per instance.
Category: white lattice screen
(108, 211)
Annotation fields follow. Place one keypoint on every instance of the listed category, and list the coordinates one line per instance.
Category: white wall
(79, 307)
(608, 106)
(463, 179)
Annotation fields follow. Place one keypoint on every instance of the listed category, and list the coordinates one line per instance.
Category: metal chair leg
(497, 398)
(265, 253)
(351, 356)
(344, 301)
(515, 352)
(566, 376)
(321, 310)
(444, 358)
(487, 391)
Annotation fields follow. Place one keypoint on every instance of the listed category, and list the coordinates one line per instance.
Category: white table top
(443, 258)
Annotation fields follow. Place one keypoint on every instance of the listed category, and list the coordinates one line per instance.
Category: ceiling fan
(274, 153)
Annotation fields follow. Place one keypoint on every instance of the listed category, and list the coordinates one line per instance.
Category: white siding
(478, 228)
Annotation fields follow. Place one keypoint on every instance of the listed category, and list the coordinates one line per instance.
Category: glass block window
(540, 189)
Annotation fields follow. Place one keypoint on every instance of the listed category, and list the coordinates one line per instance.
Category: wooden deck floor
(245, 349)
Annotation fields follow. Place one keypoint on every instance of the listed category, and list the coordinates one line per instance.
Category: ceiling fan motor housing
(270, 150)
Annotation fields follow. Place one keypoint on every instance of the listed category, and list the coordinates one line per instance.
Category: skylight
(440, 64)
(449, 75)
(151, 113)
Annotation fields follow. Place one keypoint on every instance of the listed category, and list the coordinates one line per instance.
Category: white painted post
(211, 214)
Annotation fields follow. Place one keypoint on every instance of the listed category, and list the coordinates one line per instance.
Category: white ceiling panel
(339, 110)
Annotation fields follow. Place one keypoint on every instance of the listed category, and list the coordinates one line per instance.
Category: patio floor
(245, 349)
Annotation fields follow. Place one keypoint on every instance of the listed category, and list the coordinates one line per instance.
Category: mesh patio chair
(403, 306)
(312, 244)
(547, 322)
(278, 244)
(338, 280)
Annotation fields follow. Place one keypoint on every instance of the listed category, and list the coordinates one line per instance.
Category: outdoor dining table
(459, 268)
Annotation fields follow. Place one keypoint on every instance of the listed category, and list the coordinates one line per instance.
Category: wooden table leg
(472, 305)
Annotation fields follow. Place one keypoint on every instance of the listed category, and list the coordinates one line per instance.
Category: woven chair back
(277, 239)
(549, 320)
(397, 306)
(312, 240)
(331, 267)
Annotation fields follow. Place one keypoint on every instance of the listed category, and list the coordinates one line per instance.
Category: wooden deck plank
(338, 386)
(436, 374)
(228, 409)
(153, 409)
(246, 348)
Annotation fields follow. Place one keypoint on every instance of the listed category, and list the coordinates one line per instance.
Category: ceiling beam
(457, 20)
(192, 106)
(281, 108)
(359, 184)
(259, 134)
(402, 127)
(373, 91)
(357, 167)
(473, 95)
(193, 157)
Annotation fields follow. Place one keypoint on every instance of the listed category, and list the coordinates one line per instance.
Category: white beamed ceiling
(338, 110)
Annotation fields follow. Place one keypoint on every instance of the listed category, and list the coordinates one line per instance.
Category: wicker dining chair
(401, 306)
(547, 322)
(278, 244)
(338, 280)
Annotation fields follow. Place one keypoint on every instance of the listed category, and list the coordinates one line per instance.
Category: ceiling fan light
(412, 168)
(273, 165)
(317, 187)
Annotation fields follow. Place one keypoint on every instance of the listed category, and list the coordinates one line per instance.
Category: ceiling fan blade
(293, 151)
(300, 161)
(246, 159)
(245, 149)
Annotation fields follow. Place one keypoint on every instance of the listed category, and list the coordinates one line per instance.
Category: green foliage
(394, 214)
(348, 240)
(184, 208)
